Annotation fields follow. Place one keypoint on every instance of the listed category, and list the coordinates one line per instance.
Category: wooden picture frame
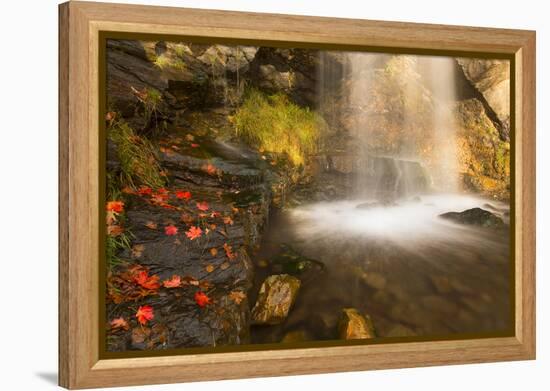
(79, 209)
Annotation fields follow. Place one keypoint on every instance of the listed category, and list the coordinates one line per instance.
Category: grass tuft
(139, 165)
(275, 124)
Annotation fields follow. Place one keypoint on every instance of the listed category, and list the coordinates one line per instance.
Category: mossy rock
(277, 295)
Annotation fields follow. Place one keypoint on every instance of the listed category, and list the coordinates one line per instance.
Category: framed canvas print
(254, 195)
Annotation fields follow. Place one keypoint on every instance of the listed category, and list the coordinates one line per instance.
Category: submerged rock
(474, 216)
(353, 325)
(290, 261)
(277, 295)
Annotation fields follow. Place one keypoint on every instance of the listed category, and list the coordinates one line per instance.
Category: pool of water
(412, 272)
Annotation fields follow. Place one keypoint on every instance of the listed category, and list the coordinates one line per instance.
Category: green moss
(274, 124)
(181, 50)
(164, 62)
(139, 165)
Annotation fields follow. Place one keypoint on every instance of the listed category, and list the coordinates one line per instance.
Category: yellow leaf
(237, 296)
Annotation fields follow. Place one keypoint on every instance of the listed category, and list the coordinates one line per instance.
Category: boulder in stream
(277, 295)
(353, 325)
(475, 216)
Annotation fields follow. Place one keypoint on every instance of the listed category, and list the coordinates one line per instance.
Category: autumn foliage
(202, 299)
(144, 314)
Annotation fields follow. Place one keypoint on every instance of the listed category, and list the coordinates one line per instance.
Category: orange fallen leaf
(228, 220)
(185, 195)
(214, 251)
(194, 233)
(115, 206)
(148, 282)
(210, 268)
(174, 282)
(202, 299)
(119, 323)
(203, 206)
(237, 296)
(144, 314)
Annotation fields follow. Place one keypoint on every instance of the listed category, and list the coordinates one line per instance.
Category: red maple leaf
(194, 233)
(162, 190)
(194, 145)
(144, 314)
(145, 190)
(185, 195)
(171, 230)
(115, 206)
(203, 205)
(174, 282)
(201, 299)
(148, 282)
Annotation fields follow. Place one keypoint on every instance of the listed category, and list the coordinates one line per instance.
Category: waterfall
(441, 80)
(397, 112)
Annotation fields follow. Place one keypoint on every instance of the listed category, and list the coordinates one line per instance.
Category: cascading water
(441, 81)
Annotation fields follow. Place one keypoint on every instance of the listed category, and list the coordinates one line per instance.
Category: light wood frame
(80, 24)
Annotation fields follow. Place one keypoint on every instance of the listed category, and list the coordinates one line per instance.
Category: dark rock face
(199, 76)
(474, 216)
(179, 321)
(292, 71)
